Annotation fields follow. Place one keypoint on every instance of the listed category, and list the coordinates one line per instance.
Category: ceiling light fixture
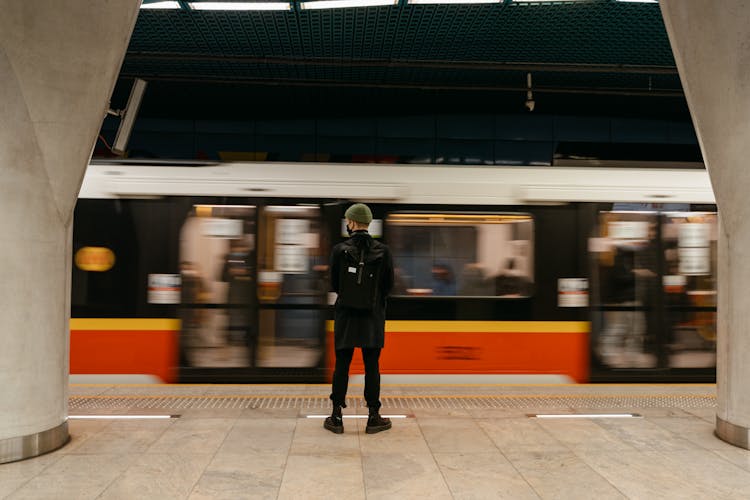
(344, 4)
(244, 6)
(448, 2)
(161, 5)
(548, 1)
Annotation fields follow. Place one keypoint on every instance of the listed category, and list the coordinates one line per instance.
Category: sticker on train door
(573, 292)
(164, 288)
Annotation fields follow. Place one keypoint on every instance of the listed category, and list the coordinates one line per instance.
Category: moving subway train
(218, 272)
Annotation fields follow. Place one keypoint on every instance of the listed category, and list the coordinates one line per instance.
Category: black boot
(335, 423)
(376, 423)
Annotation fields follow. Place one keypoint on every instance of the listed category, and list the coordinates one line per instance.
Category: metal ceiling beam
(418, 86)
(407, 63)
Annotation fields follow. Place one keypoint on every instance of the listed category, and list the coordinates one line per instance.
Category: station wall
(471, 139)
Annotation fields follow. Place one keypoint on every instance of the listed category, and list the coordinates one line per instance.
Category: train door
(218, 311)
(292, 287)
(690, 255)
(253, 294)
(653, 295)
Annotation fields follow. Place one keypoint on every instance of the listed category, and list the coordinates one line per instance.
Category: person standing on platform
(362, 275)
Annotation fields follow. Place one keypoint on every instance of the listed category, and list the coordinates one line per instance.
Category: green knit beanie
(359, 212)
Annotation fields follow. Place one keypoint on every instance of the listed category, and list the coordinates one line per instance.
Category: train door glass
(653, 289)
(217, 266)
(625, 284)
(689, 240)
(292, 288)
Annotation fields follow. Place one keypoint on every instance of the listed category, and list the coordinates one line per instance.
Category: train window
(462, 255)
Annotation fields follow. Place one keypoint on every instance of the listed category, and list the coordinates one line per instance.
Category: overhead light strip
(240, 6)
(451, 2)
(548, 1)
(345, 4)
(161, 5)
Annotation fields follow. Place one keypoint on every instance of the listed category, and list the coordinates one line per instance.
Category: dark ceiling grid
(358, 42)
(472, 29)
(535, 36)
(413, 46)
(434, 37)
(238, 38)
(214, 33)
(309, 33)
(644, 36)
(346, 30)
(320, 34)
(387, 34)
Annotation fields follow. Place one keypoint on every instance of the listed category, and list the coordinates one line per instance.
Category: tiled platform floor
(467, 442)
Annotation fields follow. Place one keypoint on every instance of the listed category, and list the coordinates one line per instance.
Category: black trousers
(371, 357)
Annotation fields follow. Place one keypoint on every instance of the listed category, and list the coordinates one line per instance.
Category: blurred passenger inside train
(627, 335)
(399, 282)
(511, 280)
(238, 273)
(443, 281)
(474, 281)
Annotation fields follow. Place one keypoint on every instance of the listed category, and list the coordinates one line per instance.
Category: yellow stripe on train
(128, 324)
(415, 326)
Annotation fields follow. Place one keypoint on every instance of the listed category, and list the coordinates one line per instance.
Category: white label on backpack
(353, 270)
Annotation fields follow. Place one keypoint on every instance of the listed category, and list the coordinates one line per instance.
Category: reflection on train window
(654, 284)
(464, 255)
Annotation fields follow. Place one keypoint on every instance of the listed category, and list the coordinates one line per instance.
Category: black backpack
(359, 278)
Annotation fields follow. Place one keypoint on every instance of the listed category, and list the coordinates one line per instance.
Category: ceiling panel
(599, 46)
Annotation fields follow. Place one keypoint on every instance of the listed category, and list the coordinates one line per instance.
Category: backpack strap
(361, 265)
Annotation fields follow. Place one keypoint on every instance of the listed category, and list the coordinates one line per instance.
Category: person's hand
(644, 273)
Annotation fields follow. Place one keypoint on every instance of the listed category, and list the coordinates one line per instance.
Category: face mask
(349, 230)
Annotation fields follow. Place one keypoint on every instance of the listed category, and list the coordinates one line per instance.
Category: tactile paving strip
(77, 403)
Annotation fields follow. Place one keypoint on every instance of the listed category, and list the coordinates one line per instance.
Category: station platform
(447, 441)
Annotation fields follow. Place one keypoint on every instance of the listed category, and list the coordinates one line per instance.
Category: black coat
(356, 328)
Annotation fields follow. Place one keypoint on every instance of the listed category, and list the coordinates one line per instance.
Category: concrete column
(711, 44)
(59, 61)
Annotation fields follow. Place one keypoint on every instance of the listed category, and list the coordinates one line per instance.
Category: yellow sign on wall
(97, 259)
